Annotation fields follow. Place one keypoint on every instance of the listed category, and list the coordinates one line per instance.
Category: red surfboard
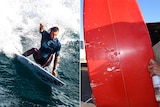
(118, 50)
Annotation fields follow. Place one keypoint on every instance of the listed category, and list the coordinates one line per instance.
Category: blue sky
(149, 8)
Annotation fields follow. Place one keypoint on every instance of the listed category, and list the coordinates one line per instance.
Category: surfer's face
(54, 34)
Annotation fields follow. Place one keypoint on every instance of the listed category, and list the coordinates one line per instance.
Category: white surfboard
(39, 72)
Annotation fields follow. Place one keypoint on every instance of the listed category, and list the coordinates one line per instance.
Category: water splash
(21, 18)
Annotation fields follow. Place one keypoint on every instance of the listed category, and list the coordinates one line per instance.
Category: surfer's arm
(56, 59)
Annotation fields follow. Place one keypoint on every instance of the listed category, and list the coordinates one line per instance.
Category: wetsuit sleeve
(44, 33)
(58, 51)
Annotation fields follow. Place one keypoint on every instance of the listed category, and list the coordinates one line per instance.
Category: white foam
(21, 18)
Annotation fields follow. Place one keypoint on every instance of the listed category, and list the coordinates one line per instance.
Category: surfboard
(118, 50)
(39, 72)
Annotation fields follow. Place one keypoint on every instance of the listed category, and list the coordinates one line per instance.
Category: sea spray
(20, 21)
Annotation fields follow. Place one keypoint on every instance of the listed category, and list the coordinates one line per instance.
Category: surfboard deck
(118, 50)
(39, 72)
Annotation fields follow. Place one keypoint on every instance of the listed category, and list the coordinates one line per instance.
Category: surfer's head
(54, 32)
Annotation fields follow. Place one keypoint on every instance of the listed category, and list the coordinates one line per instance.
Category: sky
(149, 9)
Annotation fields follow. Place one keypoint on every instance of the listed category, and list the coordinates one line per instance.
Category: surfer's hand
(154, 68)
(41, 28)
(54, 73)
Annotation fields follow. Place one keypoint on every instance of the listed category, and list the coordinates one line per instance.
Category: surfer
(50, 46)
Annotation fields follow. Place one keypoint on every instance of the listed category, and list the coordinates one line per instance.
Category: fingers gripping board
(118, 50)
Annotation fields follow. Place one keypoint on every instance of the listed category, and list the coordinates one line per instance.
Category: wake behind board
(118, 50)
(39, 72)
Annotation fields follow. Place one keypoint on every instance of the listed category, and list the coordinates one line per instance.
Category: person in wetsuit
(50, 45)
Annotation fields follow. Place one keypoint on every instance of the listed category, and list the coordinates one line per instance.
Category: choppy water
(19, 31)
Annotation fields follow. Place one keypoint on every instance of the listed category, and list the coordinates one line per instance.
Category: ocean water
(19, 32)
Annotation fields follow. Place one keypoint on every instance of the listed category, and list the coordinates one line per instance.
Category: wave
(19, 32)
(20, 19)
